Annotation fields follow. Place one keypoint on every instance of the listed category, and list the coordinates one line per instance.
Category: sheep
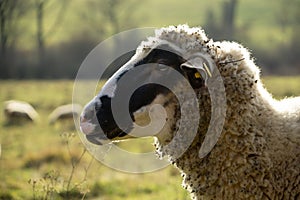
(67, 111)
(16, 111)
(257, 154)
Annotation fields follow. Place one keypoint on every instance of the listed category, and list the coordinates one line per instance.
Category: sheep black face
(144, 78)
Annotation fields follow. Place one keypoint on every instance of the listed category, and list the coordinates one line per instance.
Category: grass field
(36, 160)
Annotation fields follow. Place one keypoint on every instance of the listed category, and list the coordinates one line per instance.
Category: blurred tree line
(284, 60)
(39, 58)
(61, 60)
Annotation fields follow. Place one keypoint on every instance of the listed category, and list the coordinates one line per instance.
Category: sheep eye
(195, 78)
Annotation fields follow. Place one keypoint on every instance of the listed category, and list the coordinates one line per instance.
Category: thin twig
(232, 61)
(87, 168)
(74, 165)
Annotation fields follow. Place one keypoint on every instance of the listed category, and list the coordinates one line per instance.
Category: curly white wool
(258, 153)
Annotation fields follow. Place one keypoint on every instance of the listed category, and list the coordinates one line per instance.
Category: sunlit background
(43, 43)
(50, 38)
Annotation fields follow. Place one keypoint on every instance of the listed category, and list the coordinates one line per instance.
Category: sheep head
(159, 88)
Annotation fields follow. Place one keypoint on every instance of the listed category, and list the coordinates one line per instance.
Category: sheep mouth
(97, 139)
(101, 138)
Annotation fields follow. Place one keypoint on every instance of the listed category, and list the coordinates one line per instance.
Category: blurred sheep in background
(19, 111)
(63, 112)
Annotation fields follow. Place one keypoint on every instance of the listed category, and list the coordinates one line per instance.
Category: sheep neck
(241, 149)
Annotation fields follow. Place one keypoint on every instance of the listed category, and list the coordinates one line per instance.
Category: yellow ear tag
(197, 75)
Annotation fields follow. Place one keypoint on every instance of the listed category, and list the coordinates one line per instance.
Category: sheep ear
(199, 69)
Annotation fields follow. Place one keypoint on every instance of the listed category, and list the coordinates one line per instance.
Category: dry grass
(36, 162)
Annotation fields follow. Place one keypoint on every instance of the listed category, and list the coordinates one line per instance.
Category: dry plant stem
(33, 187)
(86, 169)
(74, 164)
(83, 197)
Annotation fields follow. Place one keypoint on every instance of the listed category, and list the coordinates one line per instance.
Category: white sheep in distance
(68, 111)
(16, 111)
(257, 155)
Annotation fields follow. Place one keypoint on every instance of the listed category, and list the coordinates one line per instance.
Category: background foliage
(50, 38)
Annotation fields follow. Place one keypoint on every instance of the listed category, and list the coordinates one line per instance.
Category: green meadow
(39, 160)
(42, 161)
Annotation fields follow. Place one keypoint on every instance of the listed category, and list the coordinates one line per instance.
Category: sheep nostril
(88, 114)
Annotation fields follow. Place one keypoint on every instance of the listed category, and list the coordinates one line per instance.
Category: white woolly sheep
(257, 155)
(65, 112)
(16, 111)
